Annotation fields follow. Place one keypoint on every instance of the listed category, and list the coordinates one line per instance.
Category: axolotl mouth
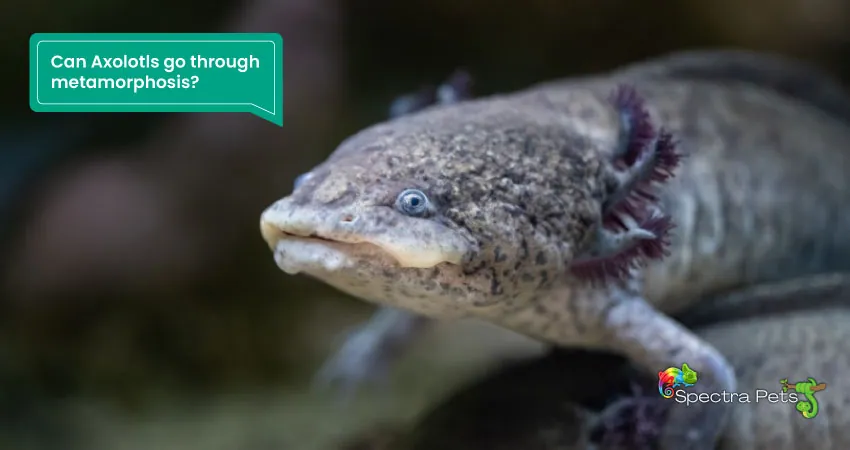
(376, 254)
(310, 239)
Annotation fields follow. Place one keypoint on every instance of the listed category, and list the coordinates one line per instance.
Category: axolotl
(588, 212)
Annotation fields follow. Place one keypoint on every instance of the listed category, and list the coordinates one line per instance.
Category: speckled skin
(511, 176)
(518, 183)
(794, 346)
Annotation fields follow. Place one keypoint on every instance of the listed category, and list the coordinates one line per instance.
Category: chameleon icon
(674, 377)
(808, 408)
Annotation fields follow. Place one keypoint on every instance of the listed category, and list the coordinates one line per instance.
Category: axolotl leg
(370, 349)
(601, 306)
(617, 319)
(655, 342)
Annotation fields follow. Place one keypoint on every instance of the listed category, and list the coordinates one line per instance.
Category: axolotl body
(551, 212)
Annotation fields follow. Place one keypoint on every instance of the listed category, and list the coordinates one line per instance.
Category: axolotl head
(470, 206)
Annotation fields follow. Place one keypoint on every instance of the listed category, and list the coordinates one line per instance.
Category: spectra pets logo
(673, 381)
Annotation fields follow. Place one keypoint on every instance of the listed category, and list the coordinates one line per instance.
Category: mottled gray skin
(518, 183)
(793, 346)
(522, 189)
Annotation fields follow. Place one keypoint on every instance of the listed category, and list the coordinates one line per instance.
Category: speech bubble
(157, 72)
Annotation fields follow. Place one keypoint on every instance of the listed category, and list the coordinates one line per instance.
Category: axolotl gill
(480, 210)
(551, 212)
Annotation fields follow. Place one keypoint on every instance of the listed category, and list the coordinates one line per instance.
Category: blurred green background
(139, 308)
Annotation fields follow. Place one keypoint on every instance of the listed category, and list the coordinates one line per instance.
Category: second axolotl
(551, 211)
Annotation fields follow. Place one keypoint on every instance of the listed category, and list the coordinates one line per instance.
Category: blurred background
(139, 307)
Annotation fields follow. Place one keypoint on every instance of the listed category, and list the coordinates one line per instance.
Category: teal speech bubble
(155, 72)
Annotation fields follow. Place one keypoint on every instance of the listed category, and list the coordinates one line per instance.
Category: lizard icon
(673, 377)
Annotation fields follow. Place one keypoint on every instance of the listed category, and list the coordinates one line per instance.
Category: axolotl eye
(301, 179)
(413, 202)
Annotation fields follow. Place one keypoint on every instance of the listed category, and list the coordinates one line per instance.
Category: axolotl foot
(633, 422)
